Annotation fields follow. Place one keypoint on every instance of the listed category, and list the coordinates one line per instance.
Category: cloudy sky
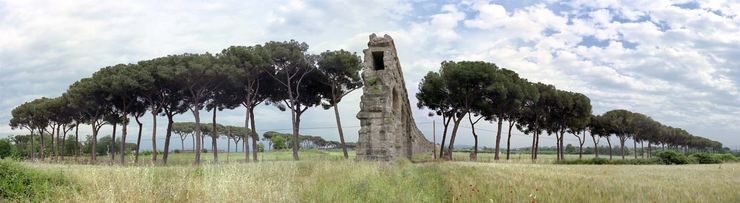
(676, 61)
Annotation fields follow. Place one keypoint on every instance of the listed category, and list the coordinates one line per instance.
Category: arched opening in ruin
(378, 63)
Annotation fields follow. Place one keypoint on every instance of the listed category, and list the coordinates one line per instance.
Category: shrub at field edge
(21, 183)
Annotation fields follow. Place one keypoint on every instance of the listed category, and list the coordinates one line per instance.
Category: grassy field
(324, 177)
(286, 155)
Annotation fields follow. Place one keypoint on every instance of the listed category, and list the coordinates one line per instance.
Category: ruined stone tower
(387, 127)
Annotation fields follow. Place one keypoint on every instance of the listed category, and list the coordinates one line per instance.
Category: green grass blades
(397, 181)
(21, 183)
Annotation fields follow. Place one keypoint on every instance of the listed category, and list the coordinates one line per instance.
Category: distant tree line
(281, 74)
(19, 145)
(235, 133)
(475, 91)
(282, 140)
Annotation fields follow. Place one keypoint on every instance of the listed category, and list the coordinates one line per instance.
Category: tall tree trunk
(608, 141)
(182, 143)
(446, 123)
(498, 139)
(537, 146)
(198, 140)
(557, 147)
(531, 149)
(168, 136)
(455, 127)
(580, 150)
(296, 138)
(214, 146)
(650, 150)
(642, 149)
(124, 132)
(113, 144)
(246, 134)
(580, 144)
(474, 153)
(294, 108)
(622, 139)
(77, 141)
(154, 137)
(51, 138)
(562, 148)
(596, 146)
(42, 144)
(254, 134)
(61, 146)
(508, 140)
(55, 143)
(94, 152)
(339, 129)
(138, 139)
(634, 147)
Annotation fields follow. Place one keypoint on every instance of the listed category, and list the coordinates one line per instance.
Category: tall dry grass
(400, 181)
